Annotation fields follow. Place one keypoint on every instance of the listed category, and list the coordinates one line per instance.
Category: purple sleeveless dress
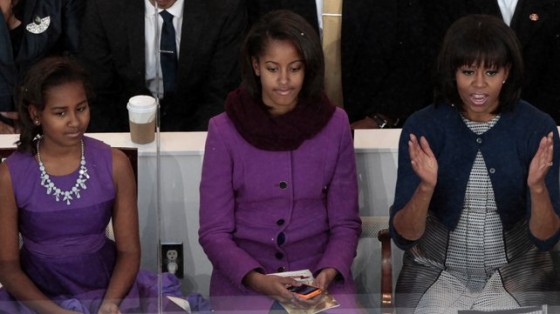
(65, 251)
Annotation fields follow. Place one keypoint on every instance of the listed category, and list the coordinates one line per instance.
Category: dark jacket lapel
(190, 36)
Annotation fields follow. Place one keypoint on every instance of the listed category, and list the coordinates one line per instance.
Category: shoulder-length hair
(479, 40)
(284, 25)
(39, 80)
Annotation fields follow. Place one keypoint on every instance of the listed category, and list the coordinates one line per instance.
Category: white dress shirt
(154, 81)
(319, 4)
(507, 7)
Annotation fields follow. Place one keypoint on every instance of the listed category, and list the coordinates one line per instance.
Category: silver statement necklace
(67, 196)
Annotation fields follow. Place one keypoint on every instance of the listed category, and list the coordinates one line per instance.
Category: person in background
(279, 190)
(536, 24)
(198, 53)
(310, 10)
(477, 197)
(59, 190)
(387, 56)
(29, 31)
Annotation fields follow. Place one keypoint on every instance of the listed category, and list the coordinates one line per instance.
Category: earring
(36, 122)
(504, 81)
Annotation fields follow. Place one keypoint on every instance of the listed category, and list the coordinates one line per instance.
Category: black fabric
(168, 53)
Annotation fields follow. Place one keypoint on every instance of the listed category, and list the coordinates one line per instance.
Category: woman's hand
(6, 7)
(410, 221)
(541, 162)
(325, 277)
(423, 161)
(543, 221)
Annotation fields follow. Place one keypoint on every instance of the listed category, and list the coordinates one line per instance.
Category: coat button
(479, 140)
(492, 170)
(283, 184)
(281, 238)
(281, 269)
(280, 222)
(279, 255)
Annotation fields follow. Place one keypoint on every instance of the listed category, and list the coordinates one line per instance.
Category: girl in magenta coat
(279, 190)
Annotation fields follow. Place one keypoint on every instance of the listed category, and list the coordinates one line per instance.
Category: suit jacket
(537, 25)
(306, 8)
(386, 59)
(61, 36)
(302, 213)
(208, 67)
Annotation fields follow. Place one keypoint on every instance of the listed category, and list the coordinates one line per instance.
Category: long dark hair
(41, 77)
(479, 39)
(285, 25)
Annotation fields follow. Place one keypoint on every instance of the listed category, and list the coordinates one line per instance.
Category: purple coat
(252, 199)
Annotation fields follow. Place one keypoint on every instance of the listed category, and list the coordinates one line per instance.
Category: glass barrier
(168, 221)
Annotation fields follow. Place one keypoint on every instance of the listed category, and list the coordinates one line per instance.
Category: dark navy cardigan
(507, 149)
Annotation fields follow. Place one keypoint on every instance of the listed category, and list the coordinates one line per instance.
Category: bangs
(481, 49)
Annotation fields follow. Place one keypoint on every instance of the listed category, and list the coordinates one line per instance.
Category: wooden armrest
(386, 271)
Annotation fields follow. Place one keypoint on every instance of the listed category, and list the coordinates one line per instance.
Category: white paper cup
(142, 118)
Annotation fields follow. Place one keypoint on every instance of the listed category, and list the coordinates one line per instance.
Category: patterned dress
(466, 268)
(65, 251)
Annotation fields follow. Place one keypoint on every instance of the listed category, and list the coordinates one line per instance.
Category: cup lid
(141, 103)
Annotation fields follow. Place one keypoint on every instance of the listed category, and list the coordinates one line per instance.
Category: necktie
(332, 23)
(168, 53)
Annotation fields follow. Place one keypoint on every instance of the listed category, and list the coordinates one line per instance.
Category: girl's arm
(343, 215)
(125, 225)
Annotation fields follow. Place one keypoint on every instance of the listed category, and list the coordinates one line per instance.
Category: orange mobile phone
(305, 291)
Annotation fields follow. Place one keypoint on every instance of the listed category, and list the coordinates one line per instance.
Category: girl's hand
(276, 287)
(541, 162)
(423, 161)
(325, 277)
(109, 308)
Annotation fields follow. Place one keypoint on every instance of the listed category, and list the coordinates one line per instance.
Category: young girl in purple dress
(59, 191)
